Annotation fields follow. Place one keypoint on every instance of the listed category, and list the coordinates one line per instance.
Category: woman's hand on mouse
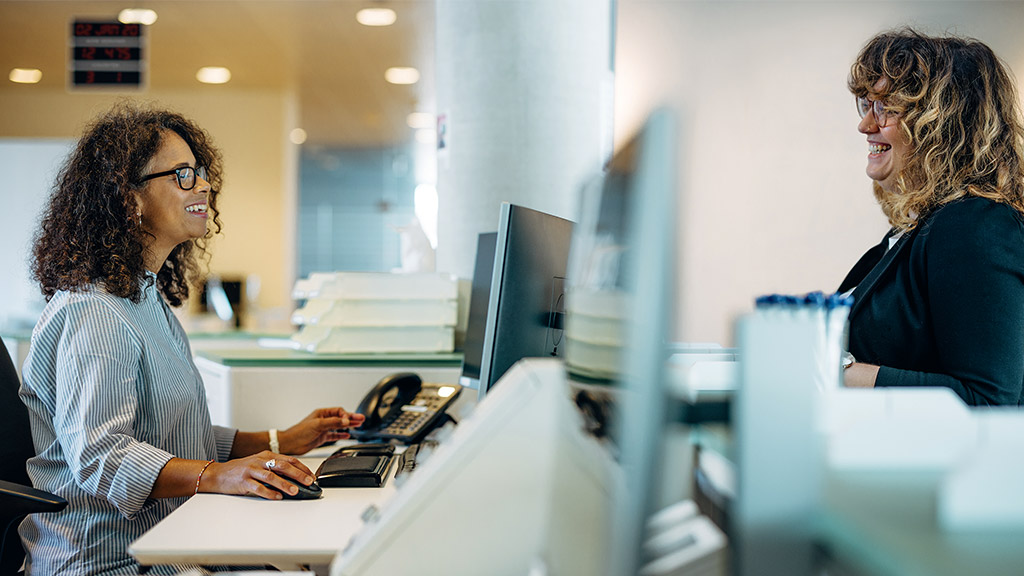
(321, 426)
(247, 476)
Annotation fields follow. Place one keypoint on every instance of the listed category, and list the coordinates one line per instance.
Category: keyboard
(414, 454)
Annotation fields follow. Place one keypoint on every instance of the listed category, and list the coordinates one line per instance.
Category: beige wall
(250, 127)
(771, 171)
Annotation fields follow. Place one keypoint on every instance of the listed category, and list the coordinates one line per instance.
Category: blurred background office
(329, 149)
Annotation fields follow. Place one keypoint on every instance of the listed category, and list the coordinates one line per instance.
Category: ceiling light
(297, 136)
(401, 75)
(376, 17)
(420, 120)
(26, 75)
(136, 16)
(213, 75)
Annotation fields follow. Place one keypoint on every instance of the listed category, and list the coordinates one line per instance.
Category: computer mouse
(311, 492)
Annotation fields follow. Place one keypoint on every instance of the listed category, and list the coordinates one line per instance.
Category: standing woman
(940, 301)
(118, 411)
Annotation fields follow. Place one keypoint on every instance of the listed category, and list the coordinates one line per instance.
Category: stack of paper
(366, 312)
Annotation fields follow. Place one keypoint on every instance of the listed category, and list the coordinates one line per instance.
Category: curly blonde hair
(957, 105)
(90, 232)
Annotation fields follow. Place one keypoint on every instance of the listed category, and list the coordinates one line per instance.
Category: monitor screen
(516, 481)
(526, 304)
(476, 324)
(621, 311)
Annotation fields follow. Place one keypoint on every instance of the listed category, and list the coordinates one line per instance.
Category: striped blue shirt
(112, 395)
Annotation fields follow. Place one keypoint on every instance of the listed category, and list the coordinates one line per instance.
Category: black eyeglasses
(866, 105)
(186, 176)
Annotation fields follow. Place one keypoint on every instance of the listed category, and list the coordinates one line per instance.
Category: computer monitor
(518, 487)
(526, 304)
(641, 186)
(476, 323)
(620, 308)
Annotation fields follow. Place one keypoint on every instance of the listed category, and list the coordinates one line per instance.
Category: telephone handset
(401, 407)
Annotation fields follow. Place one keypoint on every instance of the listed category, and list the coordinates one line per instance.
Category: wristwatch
(848, 360)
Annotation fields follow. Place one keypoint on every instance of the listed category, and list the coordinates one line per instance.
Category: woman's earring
(139, 214)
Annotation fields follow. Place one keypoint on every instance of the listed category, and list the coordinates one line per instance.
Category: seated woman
(940, 301)
(118, 410)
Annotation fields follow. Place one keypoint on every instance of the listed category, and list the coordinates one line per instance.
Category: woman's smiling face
(888, 146)
(172, 215)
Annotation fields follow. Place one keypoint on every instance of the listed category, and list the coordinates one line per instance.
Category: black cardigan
(945, 305)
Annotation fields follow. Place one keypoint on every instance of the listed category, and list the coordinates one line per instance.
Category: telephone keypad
(412, 417)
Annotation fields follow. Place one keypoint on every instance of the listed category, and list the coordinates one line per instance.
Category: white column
(524, 93)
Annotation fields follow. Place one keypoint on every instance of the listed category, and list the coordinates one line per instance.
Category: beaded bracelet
(200, 477)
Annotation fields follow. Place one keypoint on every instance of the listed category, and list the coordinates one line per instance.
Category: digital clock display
(106, 54)
(95, 53)
(106, 29)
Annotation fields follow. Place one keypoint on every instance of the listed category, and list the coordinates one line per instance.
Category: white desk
(517, 482)
(258, 389)
(216, 529)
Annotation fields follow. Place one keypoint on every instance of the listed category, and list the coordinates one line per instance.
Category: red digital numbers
(105, 29)
(86, 77)
(117, 53)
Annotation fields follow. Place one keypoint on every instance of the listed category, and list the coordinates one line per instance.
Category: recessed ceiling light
(376, 17)
(136, 16)
(297, 136)
(420, 120)
(402, 75)
(26, 75)
(213, 75)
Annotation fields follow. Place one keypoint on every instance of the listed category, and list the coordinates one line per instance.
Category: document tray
(354, 471)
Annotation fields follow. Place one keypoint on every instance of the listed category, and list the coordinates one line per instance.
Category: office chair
(17, 497)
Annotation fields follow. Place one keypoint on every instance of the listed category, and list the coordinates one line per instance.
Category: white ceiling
(314, 47)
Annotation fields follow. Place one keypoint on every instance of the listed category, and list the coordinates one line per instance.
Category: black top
(945, 305)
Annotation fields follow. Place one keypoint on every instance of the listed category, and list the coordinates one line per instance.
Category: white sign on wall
(30, 167)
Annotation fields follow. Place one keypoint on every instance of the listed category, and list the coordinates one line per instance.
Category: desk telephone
(402, 408)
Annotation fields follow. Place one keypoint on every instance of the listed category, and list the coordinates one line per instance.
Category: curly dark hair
(90, 233)
(957, 104)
